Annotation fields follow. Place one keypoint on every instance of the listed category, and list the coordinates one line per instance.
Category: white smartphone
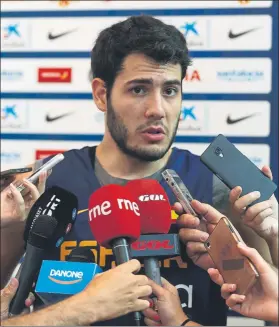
(47, 166)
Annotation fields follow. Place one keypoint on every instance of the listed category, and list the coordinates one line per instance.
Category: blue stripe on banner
(86, 54)
(88, 96)
(90, 137)
(132, 12)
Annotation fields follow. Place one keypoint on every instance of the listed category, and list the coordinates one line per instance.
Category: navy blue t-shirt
(200, 297)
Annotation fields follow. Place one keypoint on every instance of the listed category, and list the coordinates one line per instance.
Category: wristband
(185, 322)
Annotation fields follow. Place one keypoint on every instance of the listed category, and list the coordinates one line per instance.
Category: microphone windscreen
(81, 254)
(42, 232)
(113, 213)
(155, 209)
(54, 202)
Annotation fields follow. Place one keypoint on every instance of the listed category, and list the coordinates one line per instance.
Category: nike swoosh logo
(56, 36)
(231, 121)
(236, 35)
(51, 119)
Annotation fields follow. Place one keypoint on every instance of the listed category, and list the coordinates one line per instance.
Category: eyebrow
(150, 81)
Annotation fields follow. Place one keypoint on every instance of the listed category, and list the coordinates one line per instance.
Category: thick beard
(119, 133)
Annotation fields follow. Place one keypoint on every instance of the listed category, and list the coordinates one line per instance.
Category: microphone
(114, 219)
(54, 202)
(81, 254)
(59, 280)
(155, 218)
(38, 241)
(57, 202)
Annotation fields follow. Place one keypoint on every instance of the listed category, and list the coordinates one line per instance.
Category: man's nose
(154, 107)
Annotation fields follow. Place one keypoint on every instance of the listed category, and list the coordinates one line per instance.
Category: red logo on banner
(55, 75)
(193, 76)
(41, 154)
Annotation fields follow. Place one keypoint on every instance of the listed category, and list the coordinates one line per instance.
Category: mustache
(152, 123)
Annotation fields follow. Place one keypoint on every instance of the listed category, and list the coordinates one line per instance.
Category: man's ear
(99, 92)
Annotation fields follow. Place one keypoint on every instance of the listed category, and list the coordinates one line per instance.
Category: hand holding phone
(232, 265)
(46, 167)
(235, 169)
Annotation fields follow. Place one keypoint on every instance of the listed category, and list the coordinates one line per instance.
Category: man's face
(144, 107)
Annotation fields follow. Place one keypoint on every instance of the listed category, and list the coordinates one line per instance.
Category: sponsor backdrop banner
(46, 101)
(231, 88)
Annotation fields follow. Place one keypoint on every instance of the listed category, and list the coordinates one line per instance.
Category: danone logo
(65, 277)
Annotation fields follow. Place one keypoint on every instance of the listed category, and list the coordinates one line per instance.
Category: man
(138, 66)
(111, 294)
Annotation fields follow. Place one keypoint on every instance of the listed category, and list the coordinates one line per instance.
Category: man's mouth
(154, 130)
(154, 134)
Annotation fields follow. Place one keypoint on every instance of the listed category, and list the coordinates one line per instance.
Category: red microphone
(155, 209)
(114, 214)
(114, 219)
(155, 218)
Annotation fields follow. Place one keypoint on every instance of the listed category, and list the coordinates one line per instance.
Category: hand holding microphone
(114, 219)
(118, 291)
(7, 295)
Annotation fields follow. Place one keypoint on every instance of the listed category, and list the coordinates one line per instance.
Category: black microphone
(38, 241)
(54, 202)
(81, 254)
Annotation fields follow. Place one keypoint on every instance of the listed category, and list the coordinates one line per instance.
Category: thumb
(10, 290)
(267, 171)
(235, 194)
(166, 285)
(261, 265)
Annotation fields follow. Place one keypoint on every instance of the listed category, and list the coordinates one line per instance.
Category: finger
(256, 209)
(144, 291)
(42, 182)
(188, 221)
(132, 266)
(261, 265)
(156, 289)
(192, 235)
(167, 285)
(262, 216)
(207, 211)
(32, 189)
(16, 195)
(215, 276)
(30, 300)
(234, 300)
(227, 289)
(267, 171)
(235, 194)
(141, 305)
(246, 200)
(178, 208)
(150, 322)
(194, 248)
(151, 314)
(10, 290)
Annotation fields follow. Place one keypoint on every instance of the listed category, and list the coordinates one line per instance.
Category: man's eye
(171, 91)
(138, 90)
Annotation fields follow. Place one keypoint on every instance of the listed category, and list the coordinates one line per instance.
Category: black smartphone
(235, 169)
(11, 172)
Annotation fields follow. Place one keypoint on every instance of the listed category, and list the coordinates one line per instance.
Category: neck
(118, 164)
